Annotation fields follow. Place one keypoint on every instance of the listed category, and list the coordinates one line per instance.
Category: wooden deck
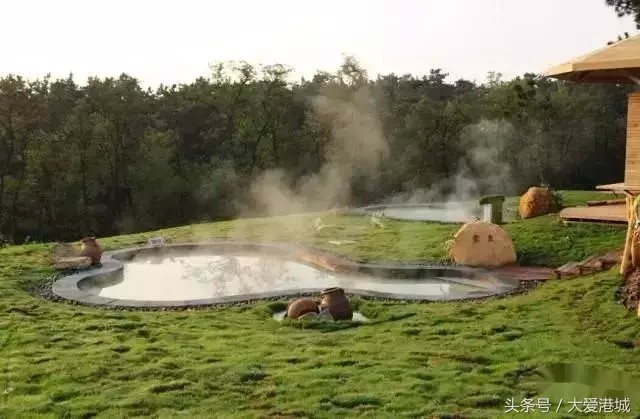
(602, 213)
(613, 187)
(592, 264)
(620, 187)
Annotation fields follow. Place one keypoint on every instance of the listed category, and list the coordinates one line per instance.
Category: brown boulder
(482, 244)
(79, 262)
(536, 201)
(67, 256)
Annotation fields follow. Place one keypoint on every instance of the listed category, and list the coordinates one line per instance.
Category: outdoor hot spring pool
(452, 212)
(197, 276)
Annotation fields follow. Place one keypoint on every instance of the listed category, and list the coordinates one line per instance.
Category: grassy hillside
(62, 360)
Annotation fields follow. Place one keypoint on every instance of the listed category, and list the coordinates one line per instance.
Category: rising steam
(356, 151)
(481, 170)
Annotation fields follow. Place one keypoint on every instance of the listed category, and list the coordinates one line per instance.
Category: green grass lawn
(412, 360)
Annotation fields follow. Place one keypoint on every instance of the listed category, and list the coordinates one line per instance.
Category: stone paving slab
(526, 273)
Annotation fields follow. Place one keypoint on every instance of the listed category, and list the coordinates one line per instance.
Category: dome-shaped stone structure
(482, 244)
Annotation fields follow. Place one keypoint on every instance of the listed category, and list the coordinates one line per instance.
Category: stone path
(592, 264)
(589, 265)
(526, 273)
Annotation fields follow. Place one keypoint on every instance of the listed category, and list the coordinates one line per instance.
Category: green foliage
(626, 7)
(556, 203)
(111, 157)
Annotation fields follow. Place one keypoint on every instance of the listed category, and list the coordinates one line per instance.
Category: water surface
(190, 277)
(446, 213)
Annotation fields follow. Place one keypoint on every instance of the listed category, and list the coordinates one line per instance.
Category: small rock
(308, 316)
(79, 262)
(325, 315)
(156, 241)
(375, 221)
(341, 242)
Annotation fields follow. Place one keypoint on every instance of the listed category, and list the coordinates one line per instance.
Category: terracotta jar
(91, 248)
(337, 303)
(300, 307)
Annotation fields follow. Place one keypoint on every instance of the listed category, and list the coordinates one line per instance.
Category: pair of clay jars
(332, 300)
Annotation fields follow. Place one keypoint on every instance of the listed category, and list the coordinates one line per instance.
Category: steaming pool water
(179, 278)
(453, 212)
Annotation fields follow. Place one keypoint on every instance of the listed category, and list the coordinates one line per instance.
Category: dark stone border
(44, 290)
(71, 288)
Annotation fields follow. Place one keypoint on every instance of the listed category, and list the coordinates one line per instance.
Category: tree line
(110, 156)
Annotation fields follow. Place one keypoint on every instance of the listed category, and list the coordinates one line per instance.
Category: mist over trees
(110, 156)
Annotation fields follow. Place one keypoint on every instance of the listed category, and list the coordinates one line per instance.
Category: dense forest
(109, 156)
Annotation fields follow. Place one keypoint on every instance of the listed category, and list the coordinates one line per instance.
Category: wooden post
(625, 265)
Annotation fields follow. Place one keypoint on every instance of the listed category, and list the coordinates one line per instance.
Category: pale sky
(175, 41)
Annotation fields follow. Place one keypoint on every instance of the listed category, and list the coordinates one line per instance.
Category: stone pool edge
(66, 288)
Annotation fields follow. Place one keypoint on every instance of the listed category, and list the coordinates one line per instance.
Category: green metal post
(496, 202)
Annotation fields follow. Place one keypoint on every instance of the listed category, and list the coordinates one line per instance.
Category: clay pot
(301, 306)
(91, 248)
(337, 303)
